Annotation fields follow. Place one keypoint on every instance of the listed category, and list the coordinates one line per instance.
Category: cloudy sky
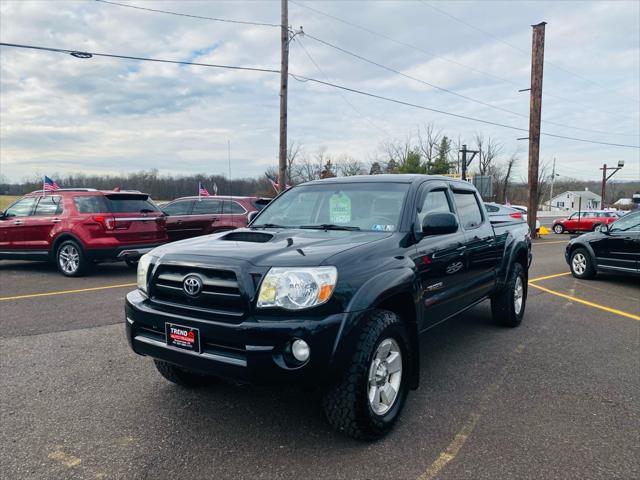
(60, 114)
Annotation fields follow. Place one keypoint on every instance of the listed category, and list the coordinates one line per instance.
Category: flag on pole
(215, 188)
(49, 185)
(202, 192)
(275, 184)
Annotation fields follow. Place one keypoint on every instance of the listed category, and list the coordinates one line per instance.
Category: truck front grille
(220, 297)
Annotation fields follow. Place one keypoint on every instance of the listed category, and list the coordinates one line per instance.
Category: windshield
(358, 206)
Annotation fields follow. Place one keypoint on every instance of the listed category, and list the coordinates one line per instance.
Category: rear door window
(125, 204)
(90, 204)
(22, 208)
(468, 209)
(207, 207)
(232, 208)
(51, 205)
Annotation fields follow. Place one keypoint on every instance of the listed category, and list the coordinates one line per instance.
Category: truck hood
(271, 248)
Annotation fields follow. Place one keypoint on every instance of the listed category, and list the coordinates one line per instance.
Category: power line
(225, 20)
(346, 100)
(452, 92)
(470, 25)
(404, 44)
(84, 54)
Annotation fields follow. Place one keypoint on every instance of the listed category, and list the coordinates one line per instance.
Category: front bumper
(254, 350)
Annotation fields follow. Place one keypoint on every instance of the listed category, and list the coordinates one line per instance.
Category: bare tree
(505, 179)
(348, 166)
(294, 151)
(489, 150)
(427, 143)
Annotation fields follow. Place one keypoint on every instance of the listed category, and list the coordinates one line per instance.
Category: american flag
(275, 184)
(202, 192)
(49, 185)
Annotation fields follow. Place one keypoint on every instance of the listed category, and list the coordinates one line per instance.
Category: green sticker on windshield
(339, 208)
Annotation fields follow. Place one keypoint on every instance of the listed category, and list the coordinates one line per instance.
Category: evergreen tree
(375, 169)
(392, 167)
(413, 163)
(441, 165)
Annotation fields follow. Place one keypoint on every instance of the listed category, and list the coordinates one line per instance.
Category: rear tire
(367, 401)
(595, 227)
(508, 305)
(581, 264)
(70, 259)
(557, 228)
(181, 376)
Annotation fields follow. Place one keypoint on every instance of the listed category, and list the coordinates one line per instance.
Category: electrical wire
(225, 20)
(547, 62)
(346, 100)
(452, 92)
(84, 54)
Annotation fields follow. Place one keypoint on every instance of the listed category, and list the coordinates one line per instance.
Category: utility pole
(284, 79)
(553, 181)
(604, 169)
(465, 162)
(535, 112)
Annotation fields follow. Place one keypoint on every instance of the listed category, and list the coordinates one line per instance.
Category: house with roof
(574, 199)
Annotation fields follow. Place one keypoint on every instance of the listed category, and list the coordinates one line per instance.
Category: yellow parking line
(65, 292)
(547, 277)
(587, 303)
(544, 242)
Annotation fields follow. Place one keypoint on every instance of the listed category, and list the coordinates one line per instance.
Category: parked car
(194, 216)
(586, 221)
(613, 248)
(331, 285)
(75, 227)
(506, 213)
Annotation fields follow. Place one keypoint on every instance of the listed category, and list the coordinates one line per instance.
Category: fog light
(300, 350)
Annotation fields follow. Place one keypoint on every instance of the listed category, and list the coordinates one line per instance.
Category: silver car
(503, 213)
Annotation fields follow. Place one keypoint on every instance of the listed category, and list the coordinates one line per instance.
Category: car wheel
(595, 227)
(581, 264)
(181, 376)
(70, 259)
(558, 228)
(367, 401)
(507, 306)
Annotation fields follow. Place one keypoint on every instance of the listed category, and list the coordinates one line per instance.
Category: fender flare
(61, 237)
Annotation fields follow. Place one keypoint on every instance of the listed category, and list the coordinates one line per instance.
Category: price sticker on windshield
(339, 209)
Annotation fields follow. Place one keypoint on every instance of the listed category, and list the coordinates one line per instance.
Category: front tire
(181, 376)
(581, 264)
(558, 228)
(367, 401)
(507, 306)
(70, 259)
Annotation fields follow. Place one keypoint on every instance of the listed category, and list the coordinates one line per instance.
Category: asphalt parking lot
(558, 397)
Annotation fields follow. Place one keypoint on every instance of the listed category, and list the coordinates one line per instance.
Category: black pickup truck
(330, 285)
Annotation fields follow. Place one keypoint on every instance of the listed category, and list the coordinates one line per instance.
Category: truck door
(480, 252)
(439, 259)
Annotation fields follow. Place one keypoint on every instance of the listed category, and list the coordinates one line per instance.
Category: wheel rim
(518, 295)
(579, 263)
(69, 259)
(557, 229)
(385, 376)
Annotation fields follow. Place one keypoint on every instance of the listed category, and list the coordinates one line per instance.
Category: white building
(574, 199)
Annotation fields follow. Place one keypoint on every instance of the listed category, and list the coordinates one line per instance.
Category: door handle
(56, 220)
(18, 222)
(214, 219)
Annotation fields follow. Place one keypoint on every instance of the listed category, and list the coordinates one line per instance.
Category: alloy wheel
(579, 263)
(69, 259)
(385, 376)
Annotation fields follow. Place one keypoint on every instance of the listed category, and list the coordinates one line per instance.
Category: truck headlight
(297, 288)
(143, 269)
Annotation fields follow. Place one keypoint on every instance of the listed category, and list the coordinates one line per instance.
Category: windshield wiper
(329, 226)
(268, 225)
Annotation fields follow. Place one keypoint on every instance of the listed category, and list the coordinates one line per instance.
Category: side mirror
(1, 213)
(251, 216)
(439, 224)
(603, 229)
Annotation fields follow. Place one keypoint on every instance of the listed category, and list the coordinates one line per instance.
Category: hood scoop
(252, 237)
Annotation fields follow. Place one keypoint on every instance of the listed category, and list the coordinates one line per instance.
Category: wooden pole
(284, 78)
(535, 112)
(604, 185)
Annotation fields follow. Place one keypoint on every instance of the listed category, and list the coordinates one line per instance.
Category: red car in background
(583, 221)
(193, 216)
(81, 226)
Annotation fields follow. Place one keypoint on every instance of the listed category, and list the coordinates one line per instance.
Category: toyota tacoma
(330, 285)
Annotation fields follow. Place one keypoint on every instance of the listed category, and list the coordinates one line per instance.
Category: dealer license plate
(187, 338)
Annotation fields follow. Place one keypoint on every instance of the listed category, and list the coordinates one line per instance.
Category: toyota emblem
(192, 285)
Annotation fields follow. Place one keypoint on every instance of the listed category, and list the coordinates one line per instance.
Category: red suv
(192, 216)
(75, 227)
(583, 221)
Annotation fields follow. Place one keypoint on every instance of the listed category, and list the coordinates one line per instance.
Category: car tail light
(515, 215)
(107, 222)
